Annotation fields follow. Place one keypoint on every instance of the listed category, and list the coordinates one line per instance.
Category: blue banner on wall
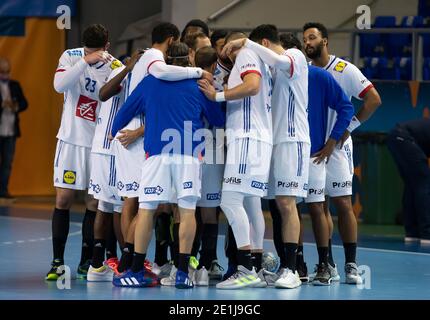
(34, 8)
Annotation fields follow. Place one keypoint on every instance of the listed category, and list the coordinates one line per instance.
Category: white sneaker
(411, 239)
(102, 274)
(163, 271)
(240, 279)
(201, 277)
(288, 280)
(425, 242)
(215, 271)
(171, 279)
(268, 279)
(351, 274)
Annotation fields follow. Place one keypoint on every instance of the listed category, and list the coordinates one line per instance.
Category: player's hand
(110, 137)
(129, 136)
(344, 138)
(134, 58)
(232, 46)
(98, 56)
(207, 88)
(207, 76)
(325, 152)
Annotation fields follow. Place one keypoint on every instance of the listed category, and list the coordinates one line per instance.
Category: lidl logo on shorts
(132, 186)
(340, 66)
(69, 177)
(120, 185)
(213, 196)
(258, 185)
(188, 185)
(153, 190)
(290, 184)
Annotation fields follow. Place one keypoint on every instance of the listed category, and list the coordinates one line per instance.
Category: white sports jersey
(139, 72)
(108, 111)
(81, 100)
(351, 80)
(250, 117)
(220, 74)
(290, 100)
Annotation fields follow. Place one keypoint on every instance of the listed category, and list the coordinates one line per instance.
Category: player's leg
(301, 266)
(161, 266)
(330, 231)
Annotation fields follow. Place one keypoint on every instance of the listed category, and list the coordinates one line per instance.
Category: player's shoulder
(343, 67)
(76, 53)
(296, 54)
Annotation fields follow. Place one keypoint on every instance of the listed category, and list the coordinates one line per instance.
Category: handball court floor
(397, 271)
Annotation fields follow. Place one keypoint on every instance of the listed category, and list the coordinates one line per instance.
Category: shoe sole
(99, 278)
(321, 284)
(202, 284)
(283, 286)
(240, 286)
(51, 277)
(304, 279)
(182, 286)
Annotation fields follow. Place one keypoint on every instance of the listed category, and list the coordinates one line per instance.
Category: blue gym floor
(397, 271)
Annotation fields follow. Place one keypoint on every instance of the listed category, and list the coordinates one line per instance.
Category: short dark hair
(163, 31)
(218, 34)
(234, 35)
(177, 55)
(205, 57)
(95, 36)
(321, 28)
(191, 39)
(196, 23)
(265, 31)
(289, 40)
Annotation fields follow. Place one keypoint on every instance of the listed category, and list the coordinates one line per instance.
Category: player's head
(234, 35)
(193, 26)
(177, 55)
(4, 69)
(218, 40)
(265, 34)
(289, 40)
(165, 33)
(315, 40)
(206, 59)
(195, 41)
(95, 37)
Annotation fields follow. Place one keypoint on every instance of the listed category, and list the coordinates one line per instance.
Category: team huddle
(204, 123)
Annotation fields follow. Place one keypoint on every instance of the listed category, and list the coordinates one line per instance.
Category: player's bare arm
(127, 137)
(325, 153)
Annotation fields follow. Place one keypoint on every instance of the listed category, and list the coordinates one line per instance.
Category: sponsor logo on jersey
(86, 108)
(290, 184)
(153, 190)
(115, 64)
(340, 66)
(132, 186)
(69, 177)
(188, 185)
(259, 185)
(213, 196)
(248, 65)
(233, 180)
(74, 53)
(342, 184)
(120, 185)
(316, 191)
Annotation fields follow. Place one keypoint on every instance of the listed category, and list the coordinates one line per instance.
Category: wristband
(220, 97)
(354, 124)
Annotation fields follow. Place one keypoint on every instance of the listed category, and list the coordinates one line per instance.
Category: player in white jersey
(249, 147)
(340, 168)
(290, 158)
(80, 74)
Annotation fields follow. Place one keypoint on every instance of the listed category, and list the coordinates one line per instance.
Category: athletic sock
(138, 262)
(126, 257)
(60, 231)
(244, 258)
(350, 252)
(87, 236)
(98, 253)
(291, 254)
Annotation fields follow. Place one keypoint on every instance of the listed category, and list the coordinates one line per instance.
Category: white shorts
(212, 175)
(71, 166)
(317, 180)
(164, 174)
(340, 170)
(128, 167)
(102, 183)
(247, 167)
(289, 170)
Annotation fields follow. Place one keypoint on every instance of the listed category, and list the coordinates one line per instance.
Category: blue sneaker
(231, 270)
(183, 281)
(130, 279)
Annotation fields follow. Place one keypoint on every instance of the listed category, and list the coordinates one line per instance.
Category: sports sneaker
(230, 271)
(215, 271)
(130, 279)
(240, 279)
(288, 280)
(302, 270)
(148, 265)
(113, 264)
(183, 281)
(351, 274)
(268, 279)
(163, 271)
(102, 274)
(82, 271)
(201, 277)
(171, 279)
(323, 277)
(425, 242)
(54, 273)
(334, 274)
